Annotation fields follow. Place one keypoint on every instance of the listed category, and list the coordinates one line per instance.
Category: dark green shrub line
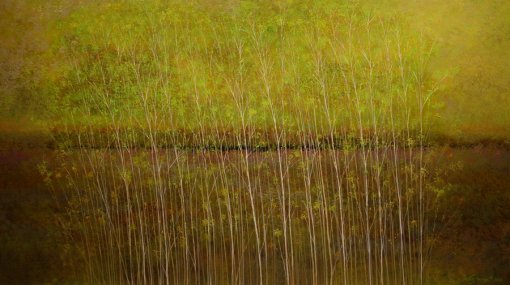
(105, 140)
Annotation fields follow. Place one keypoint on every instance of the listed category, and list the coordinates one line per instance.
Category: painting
(254, 142)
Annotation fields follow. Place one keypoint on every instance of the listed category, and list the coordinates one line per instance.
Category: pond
(383, 216)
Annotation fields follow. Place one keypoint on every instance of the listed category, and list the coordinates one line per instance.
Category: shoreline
(191, 142)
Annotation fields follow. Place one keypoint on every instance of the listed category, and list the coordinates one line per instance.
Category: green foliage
(187, 66)
(92, 62)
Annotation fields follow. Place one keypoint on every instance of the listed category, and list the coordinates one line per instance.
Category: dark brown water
(42, 235)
